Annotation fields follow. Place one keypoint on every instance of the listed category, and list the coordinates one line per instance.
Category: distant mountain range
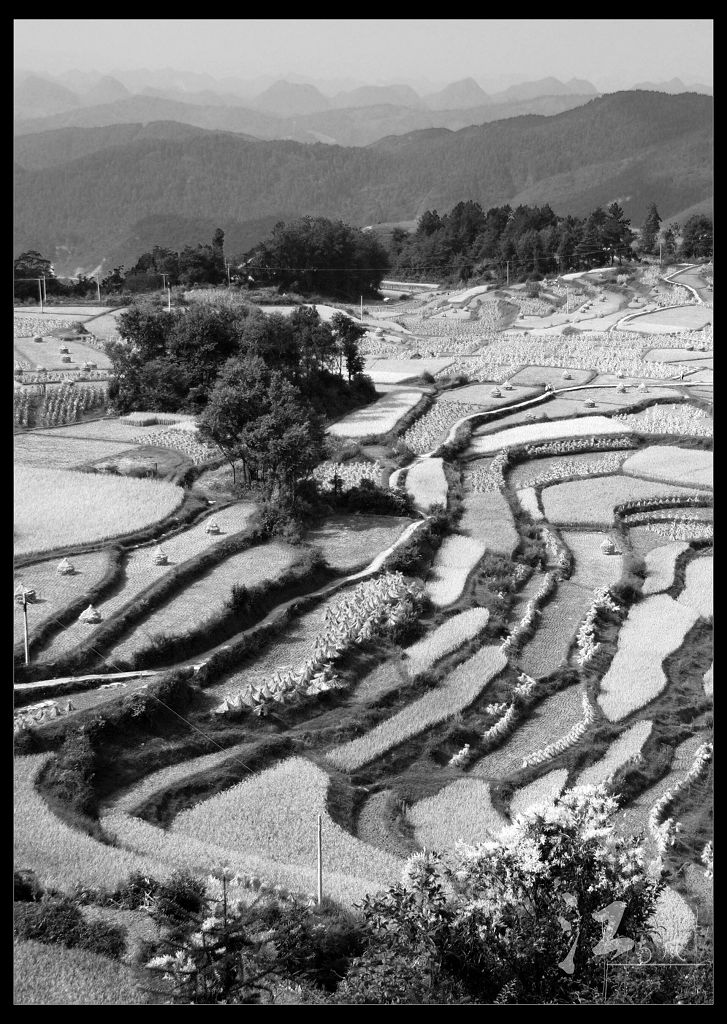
(86, 196)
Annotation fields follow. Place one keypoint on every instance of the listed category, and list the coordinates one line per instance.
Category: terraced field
(428, 728)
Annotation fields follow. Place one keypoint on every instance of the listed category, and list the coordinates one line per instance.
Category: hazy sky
(377, 50)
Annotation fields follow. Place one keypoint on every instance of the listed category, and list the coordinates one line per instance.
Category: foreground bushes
(57, 920)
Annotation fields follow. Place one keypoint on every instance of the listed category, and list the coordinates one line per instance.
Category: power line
(107, 661)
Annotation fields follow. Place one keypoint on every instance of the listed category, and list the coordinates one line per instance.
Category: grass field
(273, 815)
(455, 560)
(634, 818)
(60, 855)
(660, 565)
(698, 592)
(541, 791)
(545, 724)
(56, 508)
(482, 395)
(53, 975)
(532, 432)
(463, 685)
(206, 597)
(627, 745)
(351, 542)
(378, 418)
(686, 466)
(140, 570)
(654, 629)
(50, 450)
(487, 519)
(533, 376)
(557, 625)
(427, 484)
(54, 591)
(592, 501)
(46, 354)
(460, 811)
(592, 568)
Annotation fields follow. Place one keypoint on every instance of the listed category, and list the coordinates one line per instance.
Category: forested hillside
(633, 147)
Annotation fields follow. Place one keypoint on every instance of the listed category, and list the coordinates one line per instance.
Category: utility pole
(40, 292)
(320, 862)
(25, 626)
(45, 293)
(98, 289)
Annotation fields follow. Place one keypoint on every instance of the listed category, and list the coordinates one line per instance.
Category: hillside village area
(363, 601)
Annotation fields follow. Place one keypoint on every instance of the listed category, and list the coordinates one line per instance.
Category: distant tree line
(532, 241)
(262, 385)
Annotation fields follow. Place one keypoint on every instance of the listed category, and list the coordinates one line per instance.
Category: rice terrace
(473, 645)
(363, 553)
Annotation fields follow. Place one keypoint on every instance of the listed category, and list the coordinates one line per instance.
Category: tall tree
(348, 334)
(650, 230)
(697, 235)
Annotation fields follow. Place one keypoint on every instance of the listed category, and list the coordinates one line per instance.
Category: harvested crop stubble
(683, 419)
(487, 519)
(350, 542)
(62, 856)
(653, 630)
(698, 592)
(627, 745)
(610, 399)
(540, 472)
(593, 568)
(462, 811)
(140, 570)
(535, 375)
(404, 368)
(463, 685)
(634, 818)
(101, 430)
(346, 474)
(427, 484)
(660, 566)
(687, 466)
(206, 597)
(272, 814)
(56, 591)
(592, 501)
(371, 826)
(378, 418)
(529, 503)
(557, 626)
(547, 723)
(673, 922)
(482, 395)
(448, 637)
(538, 793)
(456, 558)
(709, 681)
(529, 433)
(433, 428)
(54, 975)
(58, 508)
(181, 439)
(39, 450)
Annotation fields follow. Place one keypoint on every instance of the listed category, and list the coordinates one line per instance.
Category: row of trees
(262, 385)
(532, 241)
